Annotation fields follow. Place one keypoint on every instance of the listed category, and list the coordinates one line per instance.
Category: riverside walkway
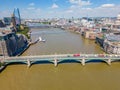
(57, 59)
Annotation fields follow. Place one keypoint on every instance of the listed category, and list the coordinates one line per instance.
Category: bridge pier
(83, 61)
(55, 62)
(28, 63)
(109, 61)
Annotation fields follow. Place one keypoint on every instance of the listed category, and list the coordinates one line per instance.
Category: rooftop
(113, 37)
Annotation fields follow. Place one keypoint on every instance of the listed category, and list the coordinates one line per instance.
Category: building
(88, 23)
(111, 44)
(90, 34)
(3, 49)
(7, 20)
(118, 20)
(2, 24)
(13, 22)
(12, 44)
(6, 30)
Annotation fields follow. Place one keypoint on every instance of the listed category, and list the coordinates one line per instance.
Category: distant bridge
(57, 59)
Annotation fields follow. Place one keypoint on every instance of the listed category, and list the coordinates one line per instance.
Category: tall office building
(19, 17)
(13, 21)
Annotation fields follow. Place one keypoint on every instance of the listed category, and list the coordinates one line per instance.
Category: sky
(35, 9)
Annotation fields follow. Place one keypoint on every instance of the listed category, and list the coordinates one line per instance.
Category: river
(66, 76)
(60, 41)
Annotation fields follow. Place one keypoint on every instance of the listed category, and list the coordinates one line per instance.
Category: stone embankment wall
(99, 41)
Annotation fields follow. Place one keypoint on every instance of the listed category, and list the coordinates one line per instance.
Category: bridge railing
(65, 55)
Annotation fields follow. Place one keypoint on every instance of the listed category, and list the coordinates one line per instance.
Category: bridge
(57, 59)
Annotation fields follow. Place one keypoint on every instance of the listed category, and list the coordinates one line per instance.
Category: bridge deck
(62, 57)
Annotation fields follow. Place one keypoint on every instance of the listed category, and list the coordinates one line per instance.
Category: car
(101, 55)
(76, 55)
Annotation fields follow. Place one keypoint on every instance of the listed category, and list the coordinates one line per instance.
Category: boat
(41, 40)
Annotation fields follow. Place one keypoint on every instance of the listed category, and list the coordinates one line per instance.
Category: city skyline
(60, 8)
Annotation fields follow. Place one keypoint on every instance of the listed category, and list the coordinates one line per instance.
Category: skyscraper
(13, 21)
(19, 15)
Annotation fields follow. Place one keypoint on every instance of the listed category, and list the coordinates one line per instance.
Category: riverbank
(24, 30)
(2, 66)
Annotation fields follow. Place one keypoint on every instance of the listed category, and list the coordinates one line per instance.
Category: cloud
(80, 2)
(31, 8)
(31, 4)
(99, 11)
(105, 10)
(73, 6)
(69, 11)
(54, 6)
(107, 5)
(31, 13)
(87, 8)
(74, 11)
(6, 13)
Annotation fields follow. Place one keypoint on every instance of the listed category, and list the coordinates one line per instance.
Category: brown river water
(66, 76)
